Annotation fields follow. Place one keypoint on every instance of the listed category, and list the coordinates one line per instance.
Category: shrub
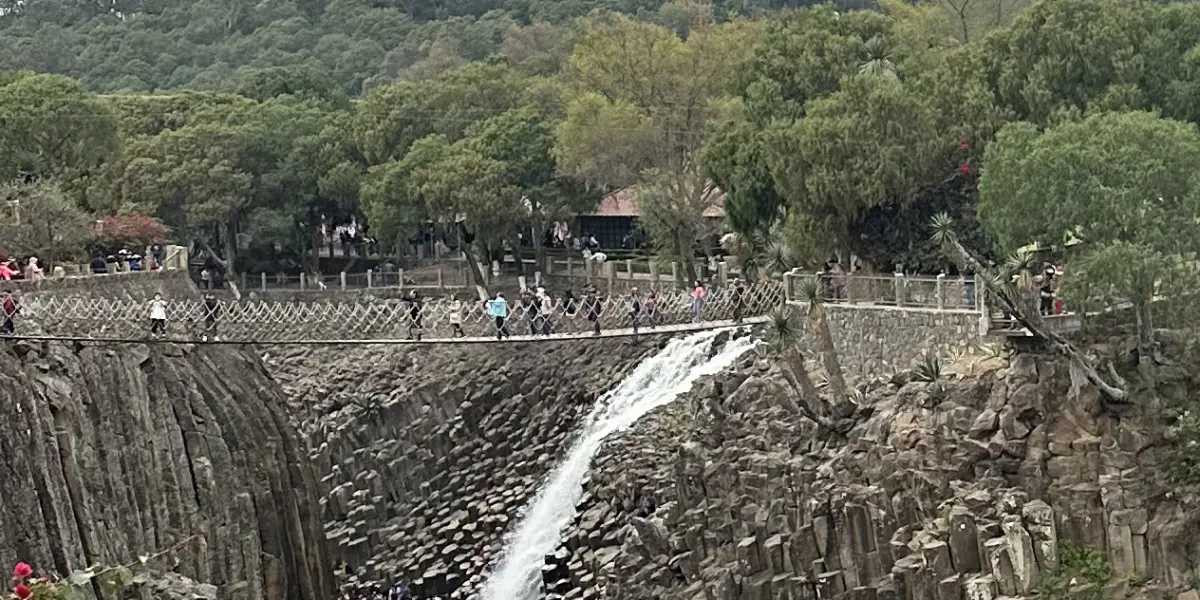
(130, 231)
(1185, 450)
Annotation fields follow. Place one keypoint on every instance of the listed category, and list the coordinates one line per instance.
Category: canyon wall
(117, 451)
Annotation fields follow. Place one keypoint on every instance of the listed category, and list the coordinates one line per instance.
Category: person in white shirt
(456, 317)
(158, 316)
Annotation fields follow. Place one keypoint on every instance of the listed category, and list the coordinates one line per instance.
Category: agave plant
(930, 369)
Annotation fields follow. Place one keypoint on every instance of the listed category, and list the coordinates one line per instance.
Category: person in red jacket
(9, 307)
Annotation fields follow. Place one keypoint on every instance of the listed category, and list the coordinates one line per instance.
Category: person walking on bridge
(698, 295)
(10, 307)
(211, 308)
(635, 310)
(591, 304)
(158, 316)
(739, 299)
(498, 310)
(414, 315)
(456, 318)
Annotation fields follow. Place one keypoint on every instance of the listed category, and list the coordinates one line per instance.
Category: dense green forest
(828, 130)
(353, 45)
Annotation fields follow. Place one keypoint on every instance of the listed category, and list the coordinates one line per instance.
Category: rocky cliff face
(428, 453)
(116, 451)
(993, 483)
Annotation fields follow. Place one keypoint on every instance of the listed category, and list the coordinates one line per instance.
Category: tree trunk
(468, 251)
(794, 372)
(829, 357)
(520, 263)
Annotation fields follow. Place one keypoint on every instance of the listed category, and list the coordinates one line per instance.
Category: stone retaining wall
(139, 285)
(879, 340)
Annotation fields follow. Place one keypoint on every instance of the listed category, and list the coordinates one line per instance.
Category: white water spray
(655, 382)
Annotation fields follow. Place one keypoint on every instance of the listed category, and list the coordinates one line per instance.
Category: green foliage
(1080, 563)
(1137, 579)
(1120, 182)
(870, 129)
(1185, 451)
(49, 224)
(51, 127)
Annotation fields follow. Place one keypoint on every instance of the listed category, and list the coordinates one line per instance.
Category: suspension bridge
(66, 315)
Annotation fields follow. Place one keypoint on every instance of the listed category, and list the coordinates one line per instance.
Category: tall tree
(51, 127)
(1123, 183)
(641, 99)
(47, 223)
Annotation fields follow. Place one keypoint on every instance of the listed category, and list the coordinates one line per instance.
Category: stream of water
(655, 382)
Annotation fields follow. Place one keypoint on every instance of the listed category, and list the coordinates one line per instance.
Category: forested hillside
(351, 45)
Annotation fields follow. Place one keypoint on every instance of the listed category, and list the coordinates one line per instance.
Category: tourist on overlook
(1046, 292)
(837, 279)
(32, 271)
(99, 267)
(206, 278)
(7, 272)
(158, 316)
(698, 296)
(211, 308)
(498, 310)
(10, 307)
(456, 318)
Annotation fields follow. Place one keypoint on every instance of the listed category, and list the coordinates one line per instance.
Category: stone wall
(967, 487)
(116, 451)
(428, 454)
(875, 340)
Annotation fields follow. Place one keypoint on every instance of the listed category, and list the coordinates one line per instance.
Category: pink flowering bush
(130, 231)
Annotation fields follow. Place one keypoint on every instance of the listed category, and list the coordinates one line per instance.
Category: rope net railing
(255, 321)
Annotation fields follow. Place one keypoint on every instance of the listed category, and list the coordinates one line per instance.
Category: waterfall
(655, 382)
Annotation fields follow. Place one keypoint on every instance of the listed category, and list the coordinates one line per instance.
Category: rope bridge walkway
(79, 318)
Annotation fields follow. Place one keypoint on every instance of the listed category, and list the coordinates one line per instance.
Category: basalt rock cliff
(112, 452)
(998, 480)
(427, 454)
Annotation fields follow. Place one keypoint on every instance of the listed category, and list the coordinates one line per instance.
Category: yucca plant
(783, 341)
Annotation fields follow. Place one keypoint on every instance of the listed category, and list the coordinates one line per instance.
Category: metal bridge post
(263, 280)
(899, 289)
(941, 291)
(629, 267)
(303, 281)
(343, 281)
